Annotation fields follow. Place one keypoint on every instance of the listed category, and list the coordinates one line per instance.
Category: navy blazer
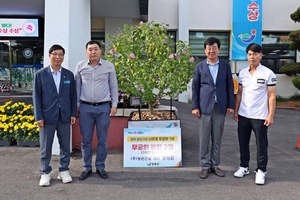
(204, 89)
(48, 104)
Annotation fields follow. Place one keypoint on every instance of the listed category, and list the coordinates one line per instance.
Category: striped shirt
(96, 84)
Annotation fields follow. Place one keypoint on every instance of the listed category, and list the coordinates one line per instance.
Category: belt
(95, 103)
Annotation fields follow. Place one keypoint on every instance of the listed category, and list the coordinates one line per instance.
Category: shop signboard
(152, 147)
(12, 27)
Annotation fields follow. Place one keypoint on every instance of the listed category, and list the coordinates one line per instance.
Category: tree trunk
(151, 108)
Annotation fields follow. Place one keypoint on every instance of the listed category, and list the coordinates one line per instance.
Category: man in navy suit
(54, 99)
(212, 99)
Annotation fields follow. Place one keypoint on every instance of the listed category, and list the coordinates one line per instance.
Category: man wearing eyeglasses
(212, 99)
(54, 99)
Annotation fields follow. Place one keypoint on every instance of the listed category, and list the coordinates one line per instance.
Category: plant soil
(157, 115)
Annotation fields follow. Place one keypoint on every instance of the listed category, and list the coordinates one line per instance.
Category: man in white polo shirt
(254, 110)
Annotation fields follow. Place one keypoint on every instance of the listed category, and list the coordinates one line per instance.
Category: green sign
(6, 25)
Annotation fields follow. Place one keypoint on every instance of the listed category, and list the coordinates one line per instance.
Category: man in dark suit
(54, 99)
(212, 99)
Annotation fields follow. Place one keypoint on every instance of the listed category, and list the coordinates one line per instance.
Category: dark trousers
(245, 127)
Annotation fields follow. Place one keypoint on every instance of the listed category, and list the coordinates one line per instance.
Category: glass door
(19, 60)
(27, 58)
(5, 68)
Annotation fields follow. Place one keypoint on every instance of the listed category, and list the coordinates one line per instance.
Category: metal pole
(171, 108)
(140, 112)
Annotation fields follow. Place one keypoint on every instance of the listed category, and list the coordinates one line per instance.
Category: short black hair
(256, 48)
(92, 42)
(56, 47)
(211, 41)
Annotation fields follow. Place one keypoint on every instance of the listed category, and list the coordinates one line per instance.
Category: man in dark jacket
(54, 99)
(212, 99)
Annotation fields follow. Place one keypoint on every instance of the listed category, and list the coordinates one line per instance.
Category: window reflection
(276, 50)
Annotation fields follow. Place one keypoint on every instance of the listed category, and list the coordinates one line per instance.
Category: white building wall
(276, 15)
(210, 15)
(67, 23)
(164, 11)
(69, 28)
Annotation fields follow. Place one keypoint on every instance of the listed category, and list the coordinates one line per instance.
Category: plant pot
(158, 123)
(22, 143)
(114, 138)
(5, 142)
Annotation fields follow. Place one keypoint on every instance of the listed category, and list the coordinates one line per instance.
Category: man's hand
(73, 120)
(269, 121)
(113, 111)
(229, 110)
(235, 116)
(40, 123)
(196, 112)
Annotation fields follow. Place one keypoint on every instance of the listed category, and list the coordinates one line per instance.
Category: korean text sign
(19, 27)
(152, 147)
(246, 26)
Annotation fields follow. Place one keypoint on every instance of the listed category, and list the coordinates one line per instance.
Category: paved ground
(19, 170)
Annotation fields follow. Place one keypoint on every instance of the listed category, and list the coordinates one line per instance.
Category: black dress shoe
(102, 173)
(218, 172)
(84, 175)
(204, 173)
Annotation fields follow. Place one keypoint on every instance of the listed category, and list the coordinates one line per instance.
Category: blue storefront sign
(246, 26)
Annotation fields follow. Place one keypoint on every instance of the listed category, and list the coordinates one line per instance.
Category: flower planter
(5, 142)
(22, 143)
(116, 129)
(115, 134)
(164, 123)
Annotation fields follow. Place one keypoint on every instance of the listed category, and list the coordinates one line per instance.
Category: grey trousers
(46, 139)
(211, 128)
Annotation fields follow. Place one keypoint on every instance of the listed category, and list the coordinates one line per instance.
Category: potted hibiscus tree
(149, 63)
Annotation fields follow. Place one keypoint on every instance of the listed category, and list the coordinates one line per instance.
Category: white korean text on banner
(152, 147)
(246, 26)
